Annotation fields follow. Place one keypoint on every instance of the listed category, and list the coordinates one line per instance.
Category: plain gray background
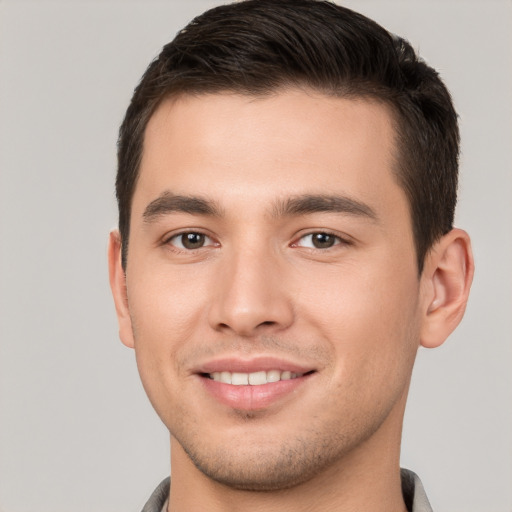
(76, 430)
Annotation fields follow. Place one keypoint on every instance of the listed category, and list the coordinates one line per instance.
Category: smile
(254, 390)
(253, 379)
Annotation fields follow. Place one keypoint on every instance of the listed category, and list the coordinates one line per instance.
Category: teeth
(257, 378)
(253, 379)
(273, 376)
(239, 379)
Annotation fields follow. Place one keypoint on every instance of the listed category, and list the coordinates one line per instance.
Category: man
(286, 186)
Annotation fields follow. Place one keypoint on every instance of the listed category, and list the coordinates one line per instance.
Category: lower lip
(251, 398)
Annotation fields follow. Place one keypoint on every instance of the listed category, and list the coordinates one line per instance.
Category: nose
(251, 295)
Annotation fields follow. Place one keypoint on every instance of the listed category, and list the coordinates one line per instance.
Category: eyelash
(179, 236)
(338, 240)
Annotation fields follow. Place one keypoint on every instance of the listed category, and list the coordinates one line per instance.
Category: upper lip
(254, 364)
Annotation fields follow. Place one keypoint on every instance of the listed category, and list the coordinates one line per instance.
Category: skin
(352, 314)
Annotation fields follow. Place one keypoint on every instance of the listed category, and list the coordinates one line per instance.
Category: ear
(446, 280)
(117, 278)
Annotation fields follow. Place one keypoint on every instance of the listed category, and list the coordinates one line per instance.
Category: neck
(367, 478)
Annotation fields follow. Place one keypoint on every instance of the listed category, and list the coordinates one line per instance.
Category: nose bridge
(250, 291)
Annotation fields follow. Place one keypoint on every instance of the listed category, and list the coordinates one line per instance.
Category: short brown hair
(257, 46)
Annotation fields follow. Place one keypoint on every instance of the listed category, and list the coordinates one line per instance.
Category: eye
(319, 240)
(190, 240)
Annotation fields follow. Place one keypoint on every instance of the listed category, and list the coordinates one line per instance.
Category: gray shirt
(414, 495)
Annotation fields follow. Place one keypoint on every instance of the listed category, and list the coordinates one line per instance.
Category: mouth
(258, 378)
(254, 385)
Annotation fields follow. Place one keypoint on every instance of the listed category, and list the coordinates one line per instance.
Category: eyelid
(167, 239)
(340, 239)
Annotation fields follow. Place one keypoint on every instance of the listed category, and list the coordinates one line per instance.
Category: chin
(262, 478)
(267, 468)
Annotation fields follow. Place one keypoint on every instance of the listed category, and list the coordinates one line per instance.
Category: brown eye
(190, 241)
(319, 240)
(323, 240)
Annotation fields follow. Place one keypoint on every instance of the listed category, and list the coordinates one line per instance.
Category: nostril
(236, 313)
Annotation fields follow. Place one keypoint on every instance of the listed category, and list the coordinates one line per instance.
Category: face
(273, 297)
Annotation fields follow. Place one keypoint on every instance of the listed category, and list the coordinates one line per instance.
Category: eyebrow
(308, 204)
(169, 203)
(305, 204)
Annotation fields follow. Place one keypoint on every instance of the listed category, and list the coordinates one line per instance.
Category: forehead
(239, 147)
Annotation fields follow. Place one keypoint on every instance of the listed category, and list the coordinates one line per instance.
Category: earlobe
(117, 279)
(446, 281)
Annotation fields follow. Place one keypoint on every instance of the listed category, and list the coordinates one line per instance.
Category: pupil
(193, 240)
(323, 240)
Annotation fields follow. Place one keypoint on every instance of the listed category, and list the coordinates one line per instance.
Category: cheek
(369, 317)
(164, 305)
(166, 311)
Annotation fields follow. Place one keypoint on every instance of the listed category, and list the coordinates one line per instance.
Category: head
(258, 47)
(286, 186)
